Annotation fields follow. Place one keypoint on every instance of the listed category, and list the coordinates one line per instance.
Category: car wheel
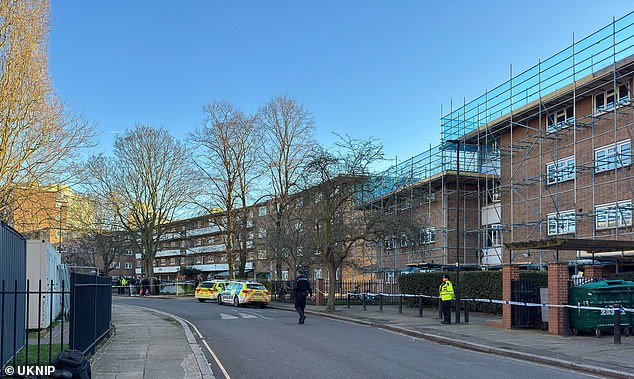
(263, 305)
(236, 302)
(201, 300)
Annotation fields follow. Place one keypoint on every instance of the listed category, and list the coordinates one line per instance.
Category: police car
(240, 293)
(209, 290)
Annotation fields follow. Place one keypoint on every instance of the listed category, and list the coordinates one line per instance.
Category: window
(390, 243)
(427, 236)
(128, 266)
(494, 235)
(284, 275)
(403, 240)
(561, 170)
(614, 215)
(262, 254)
(172, 261)
(606, 101)
(317, 274)
(493, 193)
(261, 233)
(163, 261)
(224, 257)
(389, 277)
(560, 119)
(210, 259)
(199, 260)
(115, 265)
(128, 252)
(613, 156)
(262, 211)
(561, 223)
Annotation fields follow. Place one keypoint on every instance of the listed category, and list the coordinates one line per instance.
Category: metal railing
(90, 310)
(47, 318)
(282, 290)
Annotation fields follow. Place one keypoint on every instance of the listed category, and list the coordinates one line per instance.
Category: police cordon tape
(504, 302)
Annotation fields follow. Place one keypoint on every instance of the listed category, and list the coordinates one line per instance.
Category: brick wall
(557, 294)
(509, 274)
(595, 272)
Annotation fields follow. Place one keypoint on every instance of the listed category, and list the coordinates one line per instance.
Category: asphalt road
(269, 343)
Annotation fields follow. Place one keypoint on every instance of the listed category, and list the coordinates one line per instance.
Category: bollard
(466, 312)
(617, 325)
(348, 300)
(566, 322)
(380, 302)
(363, 295)
(400, 304)
(420, 306)
(440, 315)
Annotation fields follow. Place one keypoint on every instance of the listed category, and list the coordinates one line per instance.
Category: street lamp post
(60, 205)
(457, 291)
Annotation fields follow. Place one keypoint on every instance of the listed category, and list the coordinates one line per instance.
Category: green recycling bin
(603, 294)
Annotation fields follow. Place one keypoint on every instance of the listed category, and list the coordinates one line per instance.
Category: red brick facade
(557, 294)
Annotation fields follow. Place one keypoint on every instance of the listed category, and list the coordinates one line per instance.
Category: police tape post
(24, 371)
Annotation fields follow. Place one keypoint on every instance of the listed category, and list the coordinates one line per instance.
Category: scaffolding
(547, 153)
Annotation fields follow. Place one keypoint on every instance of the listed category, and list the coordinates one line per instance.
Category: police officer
(446, 295)
(302, 289)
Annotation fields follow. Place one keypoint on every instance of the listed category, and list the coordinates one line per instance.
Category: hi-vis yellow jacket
(446, 291)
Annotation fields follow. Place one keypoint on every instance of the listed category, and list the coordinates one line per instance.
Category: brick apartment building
(543, 157)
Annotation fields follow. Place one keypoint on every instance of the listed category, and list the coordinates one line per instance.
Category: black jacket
(302, 286)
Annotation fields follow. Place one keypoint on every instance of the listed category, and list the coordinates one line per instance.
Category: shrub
(473, 284)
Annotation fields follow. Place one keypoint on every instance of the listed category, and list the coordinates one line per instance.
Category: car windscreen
(256, 287)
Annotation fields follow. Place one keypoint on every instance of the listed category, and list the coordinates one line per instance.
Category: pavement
(164, 347)
(148, 344)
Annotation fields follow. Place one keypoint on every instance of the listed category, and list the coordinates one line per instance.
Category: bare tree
(146, 183)
(289, 235)
(40, 138)
(95, 235)
(289, 143)
(339, 217)
(227, 149)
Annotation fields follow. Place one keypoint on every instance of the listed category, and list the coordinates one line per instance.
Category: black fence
(42, 331)
(90, 310)
(55, 317)
(282, 290)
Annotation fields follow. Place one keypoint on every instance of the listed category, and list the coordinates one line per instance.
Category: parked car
(209, 290)
(241, 293)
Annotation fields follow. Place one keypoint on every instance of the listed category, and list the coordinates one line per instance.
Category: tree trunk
(332, 278)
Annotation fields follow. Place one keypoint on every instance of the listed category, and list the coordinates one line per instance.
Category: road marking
(215, 357)
(227, 317)
(247, 315)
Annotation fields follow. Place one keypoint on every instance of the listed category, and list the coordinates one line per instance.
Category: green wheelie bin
(603, 294)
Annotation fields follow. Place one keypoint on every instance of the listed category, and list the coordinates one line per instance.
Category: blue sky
(379, 69)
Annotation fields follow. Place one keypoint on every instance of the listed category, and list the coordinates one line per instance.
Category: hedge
(473, 284)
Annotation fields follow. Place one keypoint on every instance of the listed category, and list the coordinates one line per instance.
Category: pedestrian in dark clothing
(145, 286)
(302, 289)
(157, 288)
